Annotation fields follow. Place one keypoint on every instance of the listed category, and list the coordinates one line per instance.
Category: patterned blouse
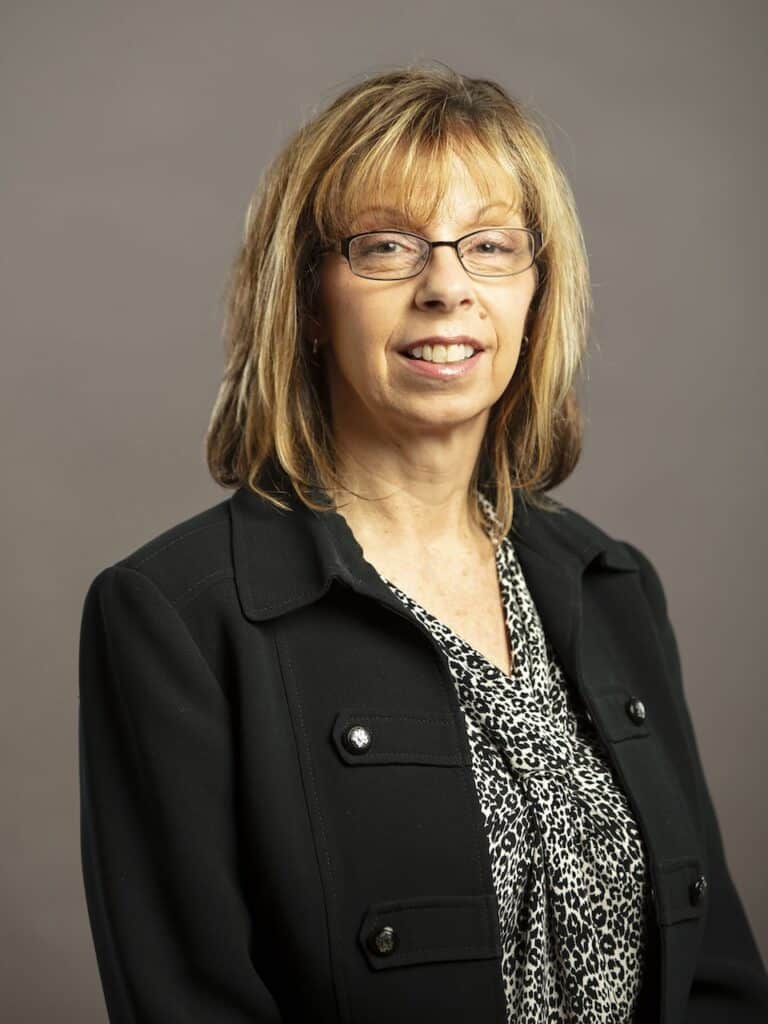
(568, 859)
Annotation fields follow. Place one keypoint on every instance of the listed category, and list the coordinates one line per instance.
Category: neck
(411, 514)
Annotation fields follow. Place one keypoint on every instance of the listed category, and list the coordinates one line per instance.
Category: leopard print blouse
(569, 865)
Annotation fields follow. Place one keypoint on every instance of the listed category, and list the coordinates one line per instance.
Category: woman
(389, 734)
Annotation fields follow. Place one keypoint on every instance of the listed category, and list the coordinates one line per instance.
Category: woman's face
(365, 323)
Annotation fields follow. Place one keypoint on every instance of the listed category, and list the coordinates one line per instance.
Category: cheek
(361, 343)
(362, 325)
(352, 309)
(508, 318)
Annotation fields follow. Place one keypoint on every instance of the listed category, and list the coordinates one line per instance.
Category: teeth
(442, 353)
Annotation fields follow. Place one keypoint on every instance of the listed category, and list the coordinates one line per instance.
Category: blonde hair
(403, 126)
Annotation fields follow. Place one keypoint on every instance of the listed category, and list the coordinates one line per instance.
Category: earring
(525, 343)
(314, 347)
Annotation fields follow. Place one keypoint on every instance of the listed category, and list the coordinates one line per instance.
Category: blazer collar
(284, 560)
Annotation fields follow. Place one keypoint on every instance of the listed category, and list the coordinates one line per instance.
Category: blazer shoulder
(588, 531)
(569, 533)
(579, 527)
(184, 559)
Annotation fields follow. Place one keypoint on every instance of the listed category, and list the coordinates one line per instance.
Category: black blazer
(244, 862)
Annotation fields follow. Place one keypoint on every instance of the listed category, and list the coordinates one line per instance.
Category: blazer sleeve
(157, 816)
(730, 982)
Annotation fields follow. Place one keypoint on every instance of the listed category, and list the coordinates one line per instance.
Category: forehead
(454, 189)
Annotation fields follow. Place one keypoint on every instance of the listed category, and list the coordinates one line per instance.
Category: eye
(487, 244)
(383, 245)
(496, 243)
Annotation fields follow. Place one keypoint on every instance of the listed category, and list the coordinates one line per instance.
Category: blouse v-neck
(501, 553)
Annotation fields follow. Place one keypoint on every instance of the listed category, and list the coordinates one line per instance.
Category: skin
(412, 442)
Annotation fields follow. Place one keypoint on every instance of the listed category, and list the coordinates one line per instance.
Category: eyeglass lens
(391, 254)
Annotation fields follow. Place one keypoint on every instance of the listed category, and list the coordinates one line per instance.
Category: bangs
(406, 182)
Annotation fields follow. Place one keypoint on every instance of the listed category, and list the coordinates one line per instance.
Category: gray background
(132, 138)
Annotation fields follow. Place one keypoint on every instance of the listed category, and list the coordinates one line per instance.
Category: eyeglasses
(397, 255)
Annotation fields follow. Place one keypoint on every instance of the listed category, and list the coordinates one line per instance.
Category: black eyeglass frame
(342, 248)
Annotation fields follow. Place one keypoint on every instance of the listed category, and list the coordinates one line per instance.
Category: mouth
(459, 363)
(442, 349)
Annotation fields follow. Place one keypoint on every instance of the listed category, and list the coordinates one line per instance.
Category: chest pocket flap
(376, 736)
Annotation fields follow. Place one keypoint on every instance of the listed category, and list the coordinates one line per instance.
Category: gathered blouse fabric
(568, 860)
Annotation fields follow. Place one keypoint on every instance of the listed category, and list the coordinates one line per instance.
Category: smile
(443, 370)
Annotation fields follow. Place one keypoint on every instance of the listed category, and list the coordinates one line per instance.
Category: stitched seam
(353, 716)
(119, 971)
(296, 596)
(176, 540)
(463, 772)
(283, 653)
(409, 753)
(462, 769)
(384, 916)
(188, 631)
(383, 912)
(475, 948)
(224, 574)
(454, 721)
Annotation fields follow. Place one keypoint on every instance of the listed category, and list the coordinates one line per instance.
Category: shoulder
(564, 533)
(559, 522)
(183, 559)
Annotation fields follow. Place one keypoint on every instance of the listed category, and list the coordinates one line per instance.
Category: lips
(456, 339)
(443, 373)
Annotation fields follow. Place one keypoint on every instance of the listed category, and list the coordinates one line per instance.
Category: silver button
(636, 710)
(383, 941)
(699, 889)
(356, 739)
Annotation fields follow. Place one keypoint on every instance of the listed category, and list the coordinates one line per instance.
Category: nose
(444, 279)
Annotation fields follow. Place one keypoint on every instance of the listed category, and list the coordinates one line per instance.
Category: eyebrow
(393, 211)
